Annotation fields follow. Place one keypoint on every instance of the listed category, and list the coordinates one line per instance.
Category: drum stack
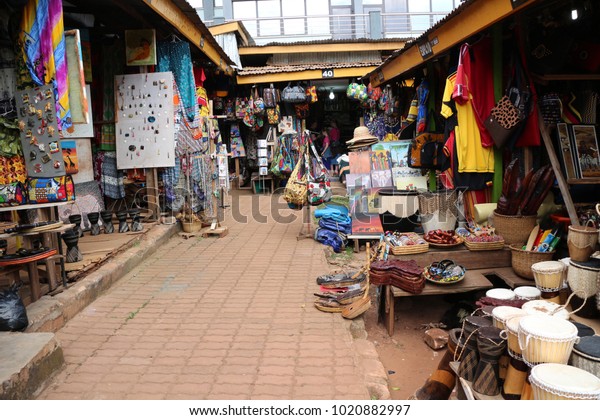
(550, 277)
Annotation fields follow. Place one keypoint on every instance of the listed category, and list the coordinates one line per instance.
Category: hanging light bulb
(574, 14)
(331, 95)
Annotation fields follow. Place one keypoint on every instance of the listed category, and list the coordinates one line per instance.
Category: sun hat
(362, 135)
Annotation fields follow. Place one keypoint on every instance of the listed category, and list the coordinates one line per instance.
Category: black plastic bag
(13, 315)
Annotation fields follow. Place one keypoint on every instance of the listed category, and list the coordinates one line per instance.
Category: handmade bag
(296, 189)
(259, 104)
(283, 160)
(505, 118)
(426, 151)
(357, 91)
(273, 115)
(50, 190)
(12, 194)
(311, 94)
(249, 118)
(319, 185)
(302, 110)
(374, 93)
(293, 94)
(271, 96)
(240, 107)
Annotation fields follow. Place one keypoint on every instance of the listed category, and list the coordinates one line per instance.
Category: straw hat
(362, 135)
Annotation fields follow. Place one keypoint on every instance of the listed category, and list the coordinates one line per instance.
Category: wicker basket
(522, 261)
(191, 227)
(514, 229)
(410, 249)
(484, 246)
(583, 279)
(438, 210)
(582, 242)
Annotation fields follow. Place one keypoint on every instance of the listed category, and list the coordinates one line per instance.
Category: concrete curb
(374, 372)
(50, 313)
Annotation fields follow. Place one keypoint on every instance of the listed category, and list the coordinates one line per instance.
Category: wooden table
(480, 265)
(30, 264)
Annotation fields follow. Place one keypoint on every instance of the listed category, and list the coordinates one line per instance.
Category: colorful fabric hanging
(236, 143)
(422, 95)
(43, 40)
(112, 65)
(176, 58)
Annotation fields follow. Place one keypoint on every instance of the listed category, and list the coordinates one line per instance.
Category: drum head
(548, 266)
(548, 327)
(474, 322)
(502, 313)
(512, 324)
(528, 292)
(583, 330)
(502, 294)
(544, 307)
(565, 380)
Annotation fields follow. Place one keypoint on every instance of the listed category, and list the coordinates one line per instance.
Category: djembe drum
(490, 346)
(553, 381)
(546, 339)
(470, 358)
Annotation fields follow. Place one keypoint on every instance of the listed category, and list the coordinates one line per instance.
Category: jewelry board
(145, 132)
(39, 132)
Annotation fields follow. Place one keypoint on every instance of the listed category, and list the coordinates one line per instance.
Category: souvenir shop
(494, 192)
(106, 129)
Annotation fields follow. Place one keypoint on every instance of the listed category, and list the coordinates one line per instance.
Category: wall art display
(360, 162)
(380, 160)
(78, 101)
(140, 47)
(357, 181)
(566, 153)
(586, 144)
(145, 130)
(69, 152)
(39, 132)
(81, 131)
(380, 179)
(404, 177)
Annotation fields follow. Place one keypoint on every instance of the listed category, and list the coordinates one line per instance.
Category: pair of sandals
(445, 271)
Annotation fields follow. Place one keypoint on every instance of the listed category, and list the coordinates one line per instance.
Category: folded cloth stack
(339, 290)
(334, 226)
(406, 275)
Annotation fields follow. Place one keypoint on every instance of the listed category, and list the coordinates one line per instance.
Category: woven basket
(191, 227)
(522, 261)
(443, 202)
(410, 249)
(582, 242)
(514, 229)
(583, 280)
(484, 246)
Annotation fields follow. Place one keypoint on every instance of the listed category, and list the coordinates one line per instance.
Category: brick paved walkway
(228, 318)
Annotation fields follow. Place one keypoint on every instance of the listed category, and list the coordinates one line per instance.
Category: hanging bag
(12, 194)
(302, 110)
(296, 189)
(271, 96)
(460, 94)
(293, 94)
(259, 104)
(311, 94)
(319, 185)
(425, 151)
(273, 115)
(50, 190)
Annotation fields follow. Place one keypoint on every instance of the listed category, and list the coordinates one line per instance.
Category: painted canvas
(380, 160)
(586, 143)
(78, 100)
(381, 178)
(360, 162)
(404, 177)
(140, 47)
(564, 142)
(69, 152)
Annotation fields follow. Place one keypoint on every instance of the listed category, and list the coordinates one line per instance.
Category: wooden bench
(481, 266)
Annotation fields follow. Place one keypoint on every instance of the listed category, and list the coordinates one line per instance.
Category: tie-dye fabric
(43, 39)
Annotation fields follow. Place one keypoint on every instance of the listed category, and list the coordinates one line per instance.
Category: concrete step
(27, 360)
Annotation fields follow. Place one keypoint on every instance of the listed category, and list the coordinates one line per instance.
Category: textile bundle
(334, 226)
(43, 39)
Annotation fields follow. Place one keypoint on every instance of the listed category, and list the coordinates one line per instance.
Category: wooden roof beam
(321, 48)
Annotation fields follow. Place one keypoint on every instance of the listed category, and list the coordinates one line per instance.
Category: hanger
(174, 38)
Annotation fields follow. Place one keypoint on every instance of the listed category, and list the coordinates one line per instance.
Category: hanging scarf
(176, 58)
(43, 39)
(422, 95)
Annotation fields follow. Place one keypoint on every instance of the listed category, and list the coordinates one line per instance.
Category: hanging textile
(176, 58)
(422, 96)
(43, 40)
(188, 140)
(111, 178)
(235, 142)
(112, 65)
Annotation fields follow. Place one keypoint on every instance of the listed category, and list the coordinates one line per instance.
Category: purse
(273, 115)
(426, 151)
(259, 104)
(271, 96)
(311, 94)
(302, 110)
(293, 94)
(50, 190)
(504, 119)
(319, 185)
(240, 107)
(12, 194)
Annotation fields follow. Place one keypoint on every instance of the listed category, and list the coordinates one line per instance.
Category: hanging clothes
(112, 65)
(188, 140)
(235, 142)
(472, 155)
(111, 179)
(176, 58)
(43, 40)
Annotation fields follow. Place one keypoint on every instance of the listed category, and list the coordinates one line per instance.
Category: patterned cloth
(12, 169)
(43, 39)
(112, 178)
(487, 376)
(112, 65)
(235, 141)
(176, 58)
(468, 365)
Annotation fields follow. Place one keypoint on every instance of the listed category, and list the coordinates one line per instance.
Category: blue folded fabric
(331, 224)
(333, 211)
(327, 237)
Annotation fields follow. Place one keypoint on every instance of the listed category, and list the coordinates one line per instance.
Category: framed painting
(586, 145)
(566, 153)
(78, 99)
(140, 47)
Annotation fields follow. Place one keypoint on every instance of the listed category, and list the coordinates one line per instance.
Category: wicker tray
(410, 249)
(484, 246)
(460, 242)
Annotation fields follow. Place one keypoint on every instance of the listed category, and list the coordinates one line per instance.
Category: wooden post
(152, 192)
(562, 184)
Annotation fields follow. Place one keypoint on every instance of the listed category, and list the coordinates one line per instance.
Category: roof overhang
(236, 27)
(295, 73)
(319, 47)
(185, 19)
(467, 20)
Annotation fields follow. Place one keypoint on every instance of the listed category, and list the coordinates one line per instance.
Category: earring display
(144, 120)
(38, 131)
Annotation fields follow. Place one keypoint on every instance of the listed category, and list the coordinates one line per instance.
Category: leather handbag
(50, 190)
(293, 94)
(271, 96)
(504, 119)
(12, 194)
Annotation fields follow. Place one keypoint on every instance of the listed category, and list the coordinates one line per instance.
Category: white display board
(144, 120)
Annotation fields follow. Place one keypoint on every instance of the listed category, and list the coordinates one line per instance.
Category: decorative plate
(442, 282)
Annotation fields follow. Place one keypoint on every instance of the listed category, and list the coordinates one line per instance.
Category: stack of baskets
(584, 271)
(438, 210)
(522, 260)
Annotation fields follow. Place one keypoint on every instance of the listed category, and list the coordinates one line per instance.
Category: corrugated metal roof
(338, 41)
(247, 71)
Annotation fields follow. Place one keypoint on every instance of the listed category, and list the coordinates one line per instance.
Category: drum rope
(561, 307)
(456, 359)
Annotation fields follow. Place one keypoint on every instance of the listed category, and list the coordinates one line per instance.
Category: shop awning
(289, 73)
(470, 18)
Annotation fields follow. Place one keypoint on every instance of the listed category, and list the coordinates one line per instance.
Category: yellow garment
(472, 156)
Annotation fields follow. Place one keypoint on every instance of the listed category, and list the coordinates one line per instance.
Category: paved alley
(228, 318)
